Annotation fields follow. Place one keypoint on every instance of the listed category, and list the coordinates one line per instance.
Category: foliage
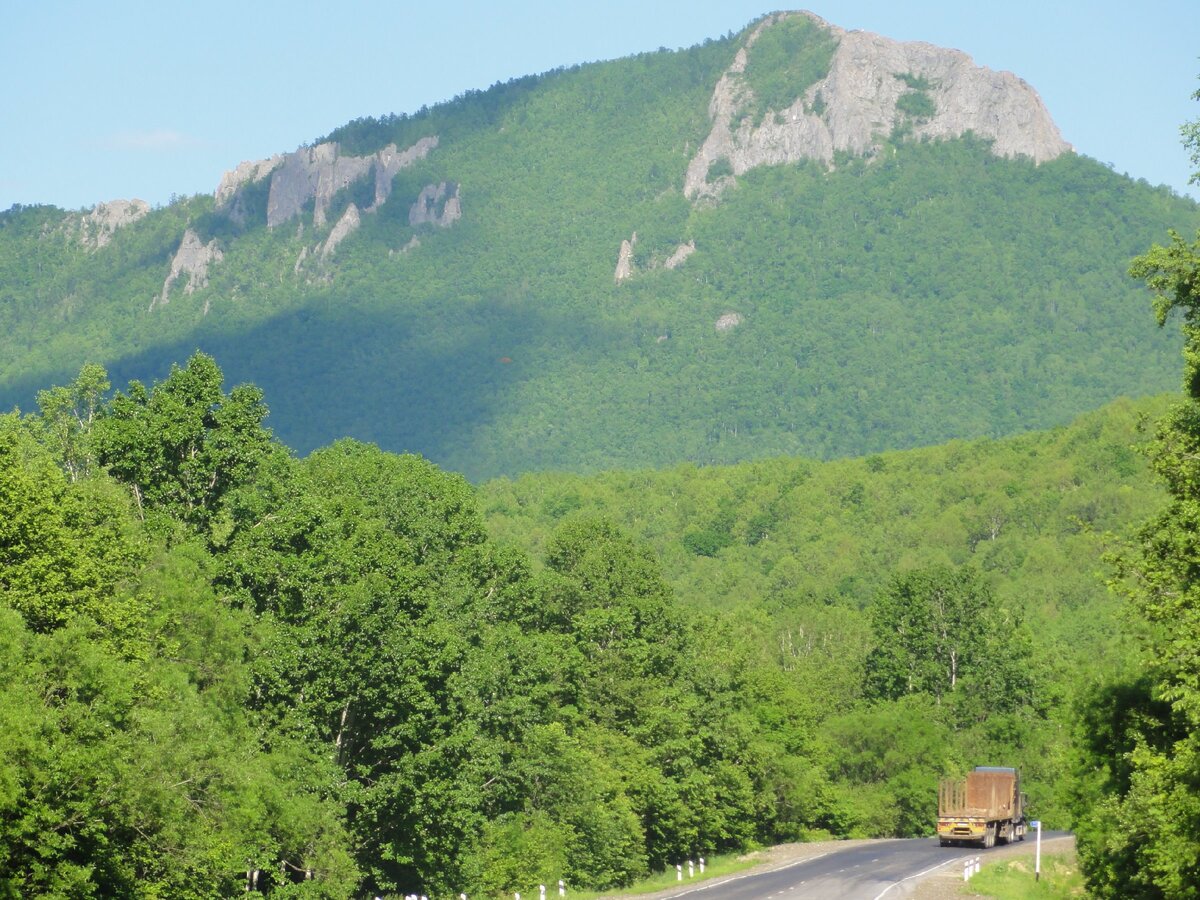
(785, 60)
(219, 658)
(352, 677)
(917, 104)
(131, 764)
(810, 551)
(1139, 807)
(184, 445)
(1014, 880)
(934, 292)
(936, 628)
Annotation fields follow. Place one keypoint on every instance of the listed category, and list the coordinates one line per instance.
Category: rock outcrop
(437, 204)
(682, 252)
(315, 174)
(854, 108)
(191, 259)
(97, 226)
(345, 226)
(625, 260)
(728, 322)
(244, 173)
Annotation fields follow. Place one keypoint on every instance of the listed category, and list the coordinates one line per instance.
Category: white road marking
(918, 875)
(724, 881)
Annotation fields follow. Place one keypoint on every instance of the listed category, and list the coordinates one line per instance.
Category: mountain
(794, 240)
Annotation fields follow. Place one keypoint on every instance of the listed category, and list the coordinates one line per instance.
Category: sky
(127, 99)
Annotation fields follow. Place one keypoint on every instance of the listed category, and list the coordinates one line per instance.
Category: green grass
(715, 867)
(1014, 879)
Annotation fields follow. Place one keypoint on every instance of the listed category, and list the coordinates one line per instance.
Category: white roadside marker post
(678, 872)
(691, 869)
(1037, 865)
(562, 888)
(541, 892)
(702, 865)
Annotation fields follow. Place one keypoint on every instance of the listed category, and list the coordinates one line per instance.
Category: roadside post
(1037, 856)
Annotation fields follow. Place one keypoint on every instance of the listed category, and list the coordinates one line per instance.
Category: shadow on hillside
(329, 373)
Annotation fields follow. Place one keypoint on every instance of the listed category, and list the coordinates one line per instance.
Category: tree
(934, 627)
(184, 445)
(65, 547)
(1140, 809)
(68, 414)
(130, 764)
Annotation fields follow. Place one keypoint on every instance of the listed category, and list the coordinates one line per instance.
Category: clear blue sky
(138, 99)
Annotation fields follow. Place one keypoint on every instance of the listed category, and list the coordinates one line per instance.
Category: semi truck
(985, 808)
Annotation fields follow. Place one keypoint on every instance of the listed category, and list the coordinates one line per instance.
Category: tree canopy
(1139, 803)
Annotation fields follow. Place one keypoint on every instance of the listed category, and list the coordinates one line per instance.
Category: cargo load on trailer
(985, 808)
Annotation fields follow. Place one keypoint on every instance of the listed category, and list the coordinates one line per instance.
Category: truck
(985, 808)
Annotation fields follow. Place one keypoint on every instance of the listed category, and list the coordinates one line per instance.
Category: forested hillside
(799, 553)
(326, 676)
(468, 308)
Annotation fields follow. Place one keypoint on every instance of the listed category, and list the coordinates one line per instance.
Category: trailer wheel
(989, 838)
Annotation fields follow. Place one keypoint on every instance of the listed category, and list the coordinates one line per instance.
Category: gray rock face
(191, 259)
(346, 225)
(625, 260)
(728, 322)
(854, 108)
(313, 173)
(437, 204)
(682, 252)
(97, 226)
(389, 161)
(316, 174)
(247, 172)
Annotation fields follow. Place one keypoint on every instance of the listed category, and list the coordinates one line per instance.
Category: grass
(1013, 879)
(714, 867)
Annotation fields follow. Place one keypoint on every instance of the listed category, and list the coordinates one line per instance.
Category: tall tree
(1138, 831)
(934, 627)
(68, 414)
(183, 445)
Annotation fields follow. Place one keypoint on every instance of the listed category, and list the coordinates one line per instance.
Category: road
(879, 870)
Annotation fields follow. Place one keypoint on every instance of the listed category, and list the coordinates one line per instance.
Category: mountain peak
(850, 91)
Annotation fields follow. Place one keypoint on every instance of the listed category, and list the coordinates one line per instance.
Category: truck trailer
(985, 808)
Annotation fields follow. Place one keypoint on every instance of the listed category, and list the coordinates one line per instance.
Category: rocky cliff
(316, 174)
(874, 86)
(191, 259)
(437, 204)
(96, 227)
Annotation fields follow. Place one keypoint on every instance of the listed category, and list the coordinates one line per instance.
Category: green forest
(355, 672)
(931, 292)
(460, 567)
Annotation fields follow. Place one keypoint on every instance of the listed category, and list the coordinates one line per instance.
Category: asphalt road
(880, 870)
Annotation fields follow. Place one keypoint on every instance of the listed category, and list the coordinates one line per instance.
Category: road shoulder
(947, 882)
